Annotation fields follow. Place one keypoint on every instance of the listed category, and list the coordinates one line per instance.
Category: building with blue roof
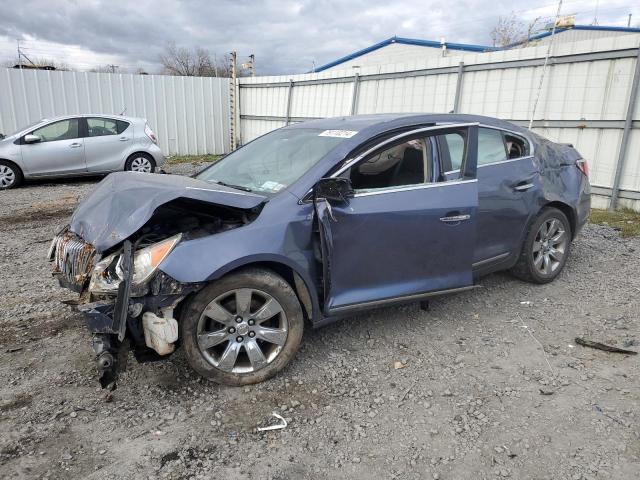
(396, 50)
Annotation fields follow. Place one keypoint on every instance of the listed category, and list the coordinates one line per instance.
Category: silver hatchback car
(78, 145)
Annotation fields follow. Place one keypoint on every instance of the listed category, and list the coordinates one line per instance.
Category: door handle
(123, 139)
(455, 218)
(523, 187)
(75, 145)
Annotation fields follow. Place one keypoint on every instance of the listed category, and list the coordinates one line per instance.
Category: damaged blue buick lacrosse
(311, 223)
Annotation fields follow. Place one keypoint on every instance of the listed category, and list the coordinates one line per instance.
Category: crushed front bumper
(115, 322)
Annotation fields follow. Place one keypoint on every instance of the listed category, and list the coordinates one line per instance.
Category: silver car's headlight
(107, 274)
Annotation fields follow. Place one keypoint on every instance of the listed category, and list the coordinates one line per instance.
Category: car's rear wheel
(140, 162)
(10, 175)
(545, 249)
(243, 328)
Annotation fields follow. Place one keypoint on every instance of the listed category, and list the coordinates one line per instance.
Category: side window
(516, 146)
(122, 126)
(401, 164)
(99, 127)
(491, 146)
(455, 146)
(62, 130)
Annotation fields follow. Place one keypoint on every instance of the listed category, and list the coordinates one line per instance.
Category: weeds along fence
(586, 99)
(190, 115)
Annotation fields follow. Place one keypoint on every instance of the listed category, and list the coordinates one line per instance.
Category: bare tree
(197, 62)
(511, 29)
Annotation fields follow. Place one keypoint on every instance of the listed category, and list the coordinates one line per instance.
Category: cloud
(287, 36)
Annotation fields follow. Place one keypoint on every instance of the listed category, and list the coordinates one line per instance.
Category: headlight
(107, 274)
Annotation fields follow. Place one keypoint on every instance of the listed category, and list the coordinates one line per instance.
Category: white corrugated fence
(190, 115)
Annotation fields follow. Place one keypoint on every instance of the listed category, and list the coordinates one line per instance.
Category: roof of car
(395, 120)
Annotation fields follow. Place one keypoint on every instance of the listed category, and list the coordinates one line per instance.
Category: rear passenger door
(507, 190)
(107, 143)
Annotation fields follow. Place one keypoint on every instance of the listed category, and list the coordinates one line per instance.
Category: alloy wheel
(242, 330)
(549, 246)
(7, 176)
(141, 164)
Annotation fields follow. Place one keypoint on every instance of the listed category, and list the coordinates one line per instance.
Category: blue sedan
(311, 223)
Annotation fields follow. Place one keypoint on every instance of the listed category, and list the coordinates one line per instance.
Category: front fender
(209, 258)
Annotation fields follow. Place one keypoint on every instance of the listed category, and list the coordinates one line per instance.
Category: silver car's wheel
(549, 246)
(141, 164)
(242, 328)
(10, 175)
(233, 334)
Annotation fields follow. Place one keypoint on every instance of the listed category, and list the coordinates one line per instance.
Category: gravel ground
(491, 383)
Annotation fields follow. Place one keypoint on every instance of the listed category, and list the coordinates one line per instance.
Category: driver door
(403, 235)
(59, 151)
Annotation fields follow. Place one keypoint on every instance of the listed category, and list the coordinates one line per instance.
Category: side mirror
(338, 189)
(31, 138)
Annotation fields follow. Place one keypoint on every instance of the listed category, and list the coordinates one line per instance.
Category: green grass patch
(626, 221)
(194, 159)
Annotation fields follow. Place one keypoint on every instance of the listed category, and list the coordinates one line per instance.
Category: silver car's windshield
(274, 161)
(27, 127)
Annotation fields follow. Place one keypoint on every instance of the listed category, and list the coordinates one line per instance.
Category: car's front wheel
(242, 328)
(10, 175)
(545, 249)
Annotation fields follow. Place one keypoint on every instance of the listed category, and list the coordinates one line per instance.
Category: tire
(140, 162)
(10, 175)
(555, 245)
(218, 345)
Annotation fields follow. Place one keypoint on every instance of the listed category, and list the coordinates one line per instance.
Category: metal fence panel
(189, 114)
(584, 99)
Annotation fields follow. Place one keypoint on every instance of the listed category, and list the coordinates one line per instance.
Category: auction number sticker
(338, 133)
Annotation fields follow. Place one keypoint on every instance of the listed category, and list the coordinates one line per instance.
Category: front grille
(73, 259)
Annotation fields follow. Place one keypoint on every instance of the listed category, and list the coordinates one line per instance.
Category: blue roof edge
(403, 41)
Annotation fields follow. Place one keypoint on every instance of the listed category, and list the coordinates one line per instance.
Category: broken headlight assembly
(107, 274)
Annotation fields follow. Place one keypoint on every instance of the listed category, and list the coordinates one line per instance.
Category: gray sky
(286, 36)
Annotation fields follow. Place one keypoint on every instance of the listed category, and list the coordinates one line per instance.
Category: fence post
(456, 101)
(356, 92)
(289, 96)
(233, 104)
(626, 134)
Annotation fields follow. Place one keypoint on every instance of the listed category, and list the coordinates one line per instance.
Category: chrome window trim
(502, 162)
(355, 160)
(417, 186)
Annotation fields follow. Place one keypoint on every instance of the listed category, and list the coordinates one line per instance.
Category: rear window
(99, 127)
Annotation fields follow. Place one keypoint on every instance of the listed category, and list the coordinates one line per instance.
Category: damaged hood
(124, 201)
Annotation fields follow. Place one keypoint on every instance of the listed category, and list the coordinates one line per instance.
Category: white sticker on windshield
(273, 186)
(338, 133)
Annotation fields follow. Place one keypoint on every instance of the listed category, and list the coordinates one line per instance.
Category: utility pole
(252, 64)
(19, 54)
(113, 68)
(233, 104)
(629, 21)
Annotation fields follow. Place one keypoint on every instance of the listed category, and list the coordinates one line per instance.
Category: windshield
(26, 127)
(274, 161)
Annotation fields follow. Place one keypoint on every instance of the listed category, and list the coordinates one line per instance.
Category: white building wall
(581, 35)
(395, 53)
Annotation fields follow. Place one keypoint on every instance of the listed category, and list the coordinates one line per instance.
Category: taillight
(583, 166)
(149, 133)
